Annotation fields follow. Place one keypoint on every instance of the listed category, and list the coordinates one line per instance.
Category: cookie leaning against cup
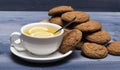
(94, 50)
(100, 37)
(80, 16)
(114, 48)
(59, 10)
(70, 40)
(89, 26)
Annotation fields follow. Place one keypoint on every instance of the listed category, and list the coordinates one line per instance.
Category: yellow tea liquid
(41, 31)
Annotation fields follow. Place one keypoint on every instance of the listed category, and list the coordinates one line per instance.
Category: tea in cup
(41, 31)
(38, 38)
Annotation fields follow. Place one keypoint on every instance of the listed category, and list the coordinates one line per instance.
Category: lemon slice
(37, 29)
(42, 34)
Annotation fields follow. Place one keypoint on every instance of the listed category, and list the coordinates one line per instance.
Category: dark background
(45, 5)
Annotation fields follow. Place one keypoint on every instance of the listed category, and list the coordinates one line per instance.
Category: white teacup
(37, 45)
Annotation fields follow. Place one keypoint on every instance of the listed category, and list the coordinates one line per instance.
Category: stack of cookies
(84, 34)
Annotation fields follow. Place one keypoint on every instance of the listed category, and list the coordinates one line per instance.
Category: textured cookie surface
(100, 37)
(90, 26)
(79, 45)
(59, 10)
(70, 40)
(94, 50)
(114, 48)
(56, 20)
(80, 16)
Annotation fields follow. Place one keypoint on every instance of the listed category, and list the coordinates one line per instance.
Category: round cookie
(90, 26)
(56, 20)
(100, 37)
(114, 48)
(70, 40)
(59, 10)
(94, 50)
(80, 16)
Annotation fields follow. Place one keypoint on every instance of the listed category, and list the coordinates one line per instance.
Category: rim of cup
(43, 24)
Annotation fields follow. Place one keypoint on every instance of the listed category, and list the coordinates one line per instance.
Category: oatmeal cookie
(70, 40)
(94, 50)
(90, 26)
(59, 10)
(80, 16)
(100, 37)
(114, 48)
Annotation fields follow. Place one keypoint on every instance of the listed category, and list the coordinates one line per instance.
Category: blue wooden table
(12, 21)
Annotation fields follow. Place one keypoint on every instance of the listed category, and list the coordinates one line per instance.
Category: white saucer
(39, 59)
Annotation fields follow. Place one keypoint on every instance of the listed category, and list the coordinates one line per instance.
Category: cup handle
(17, 44)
